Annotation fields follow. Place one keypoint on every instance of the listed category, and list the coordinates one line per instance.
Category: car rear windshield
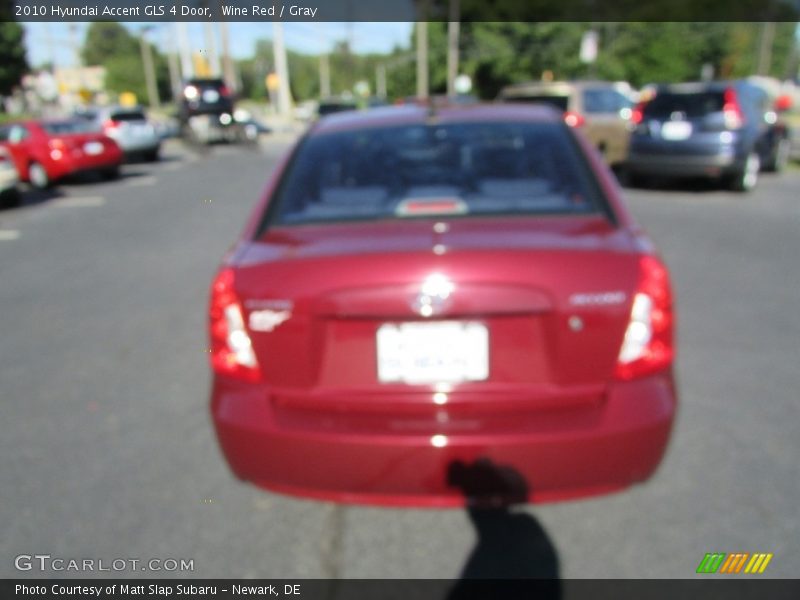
(463, 169)
(133, 115)
(558, 102)
(695, 104)
(598, 100)
(74, 126)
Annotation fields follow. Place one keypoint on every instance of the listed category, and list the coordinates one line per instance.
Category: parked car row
(725, 131)
(46, 151)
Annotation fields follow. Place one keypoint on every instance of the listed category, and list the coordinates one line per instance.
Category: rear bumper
(622, 444)
(135, 145)
(713, 165)
(67, 166)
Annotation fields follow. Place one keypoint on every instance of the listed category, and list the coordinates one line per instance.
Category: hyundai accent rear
(432, 307)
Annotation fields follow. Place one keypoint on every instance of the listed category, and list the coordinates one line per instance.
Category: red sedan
(45, 151)
(437, 306)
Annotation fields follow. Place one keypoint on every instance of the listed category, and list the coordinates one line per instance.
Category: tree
(14, 63)
(106, 40)
(111, 45)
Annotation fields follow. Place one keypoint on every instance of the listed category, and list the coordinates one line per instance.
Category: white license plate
(439, 352)
(676, 130)
(93, 148)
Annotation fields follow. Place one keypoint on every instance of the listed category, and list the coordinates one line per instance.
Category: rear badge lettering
(267, 319)
(598, 299)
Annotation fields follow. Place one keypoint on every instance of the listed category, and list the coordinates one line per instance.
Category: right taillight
(732, 110)
(648, 344)
(231, 348)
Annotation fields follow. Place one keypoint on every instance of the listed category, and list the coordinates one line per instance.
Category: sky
(306, 37)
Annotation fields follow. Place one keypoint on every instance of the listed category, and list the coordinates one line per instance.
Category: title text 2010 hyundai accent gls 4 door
(438, 306)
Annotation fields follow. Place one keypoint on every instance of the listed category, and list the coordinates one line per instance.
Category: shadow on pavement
(512, 545)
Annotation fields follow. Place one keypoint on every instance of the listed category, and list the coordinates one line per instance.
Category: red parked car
(437, 306)
(45, 151)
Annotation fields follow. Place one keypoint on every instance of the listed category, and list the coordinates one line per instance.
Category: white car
(9, 178)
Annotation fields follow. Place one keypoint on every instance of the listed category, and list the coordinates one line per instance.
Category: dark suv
(205, 97)
(722, 130)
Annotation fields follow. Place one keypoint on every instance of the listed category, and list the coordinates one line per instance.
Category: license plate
(440, 352)
(93, 148)
(676, 130)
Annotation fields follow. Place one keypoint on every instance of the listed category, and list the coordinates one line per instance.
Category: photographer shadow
(513, 550)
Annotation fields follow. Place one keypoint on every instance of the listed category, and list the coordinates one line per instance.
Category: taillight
(732, 110)
(648, 343)
(573, 119)
(637, 115)
(57, 148)
(224, 91)
(231, 348)
(110, 124)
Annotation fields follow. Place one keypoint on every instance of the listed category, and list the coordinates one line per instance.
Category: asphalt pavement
(108, 450)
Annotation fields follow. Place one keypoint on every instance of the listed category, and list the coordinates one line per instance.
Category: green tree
(14, 64)
(106, 40)
(111, 45)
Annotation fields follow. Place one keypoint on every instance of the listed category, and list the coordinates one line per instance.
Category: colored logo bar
(734, 563)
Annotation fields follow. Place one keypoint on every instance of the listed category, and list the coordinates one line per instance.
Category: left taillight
(232, 351)
(648, 345)
(58, 147)
(574, 119)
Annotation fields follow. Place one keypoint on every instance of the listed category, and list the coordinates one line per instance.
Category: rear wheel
(746, 178)
(38, 176)
(780, 156)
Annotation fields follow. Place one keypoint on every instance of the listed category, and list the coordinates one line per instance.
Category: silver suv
(130, 128)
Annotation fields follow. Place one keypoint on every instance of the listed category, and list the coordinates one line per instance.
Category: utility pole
(149, 71)
(211, 47)
(324, 65)
(281, 69)
(324, 75)
(187, 70)
(228, 71)
(380, 80)
(50, 51)
(453, 30)
(765, 50)
(422, 59)
(172, 62)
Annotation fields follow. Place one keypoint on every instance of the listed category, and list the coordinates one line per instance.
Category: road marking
(141, 181)
(6, 235)
(80, 202)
